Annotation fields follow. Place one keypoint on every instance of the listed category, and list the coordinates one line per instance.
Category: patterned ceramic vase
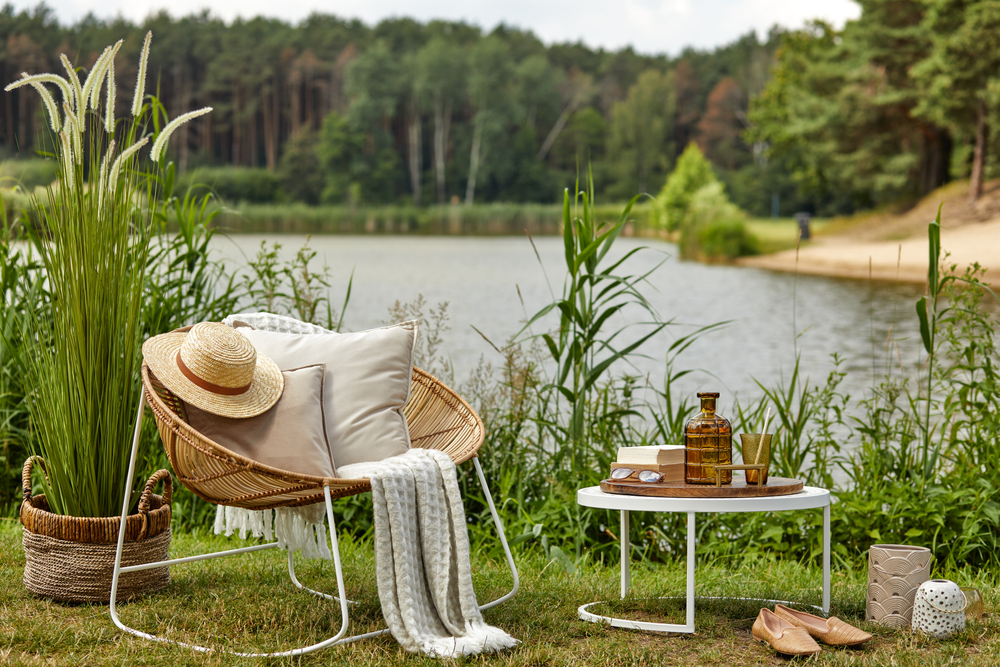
(894, 573)
(939, 608)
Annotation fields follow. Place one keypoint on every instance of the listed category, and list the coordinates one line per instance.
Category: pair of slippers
(792, 632)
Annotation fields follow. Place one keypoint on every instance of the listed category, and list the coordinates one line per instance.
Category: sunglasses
(648, 476)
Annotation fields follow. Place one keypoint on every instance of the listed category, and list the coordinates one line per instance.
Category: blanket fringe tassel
(295, 528)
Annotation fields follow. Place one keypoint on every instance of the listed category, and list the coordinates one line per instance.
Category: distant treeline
(332, 111)
(405, 112)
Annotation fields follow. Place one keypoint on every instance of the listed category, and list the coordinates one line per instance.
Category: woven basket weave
(71, 559)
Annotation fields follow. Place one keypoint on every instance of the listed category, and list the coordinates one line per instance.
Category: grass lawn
(779, 234)
(247, 603)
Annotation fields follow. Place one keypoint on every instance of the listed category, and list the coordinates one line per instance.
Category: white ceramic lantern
(939, 608)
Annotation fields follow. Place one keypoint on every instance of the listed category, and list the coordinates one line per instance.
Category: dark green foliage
(233, 184)
(753, 188)
(958, 72)
(640, 134)
(844, 109)
(301, 174)
(336, 149)
(726, 239)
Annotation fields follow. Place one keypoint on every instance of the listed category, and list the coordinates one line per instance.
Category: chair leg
(298, 584)
(500, 533)
(118, 569)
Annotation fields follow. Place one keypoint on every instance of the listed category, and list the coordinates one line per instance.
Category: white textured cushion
(367, 384)
(290, 436)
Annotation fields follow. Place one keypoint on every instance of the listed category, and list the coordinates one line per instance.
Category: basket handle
(168, 489)
(160, 475)
(26, 475)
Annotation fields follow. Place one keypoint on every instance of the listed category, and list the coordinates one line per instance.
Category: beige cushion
(367, 384)
(290, 436)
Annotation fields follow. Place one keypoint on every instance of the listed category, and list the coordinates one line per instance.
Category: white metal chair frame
(338, 638)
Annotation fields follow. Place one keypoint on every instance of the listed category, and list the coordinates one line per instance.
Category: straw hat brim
(160, 353)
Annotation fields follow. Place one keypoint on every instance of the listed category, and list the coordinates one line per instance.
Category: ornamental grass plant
(92, 233)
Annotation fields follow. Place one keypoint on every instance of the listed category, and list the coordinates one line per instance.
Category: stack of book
(667, 459)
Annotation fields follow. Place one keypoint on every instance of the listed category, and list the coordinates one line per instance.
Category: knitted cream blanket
(422, 556)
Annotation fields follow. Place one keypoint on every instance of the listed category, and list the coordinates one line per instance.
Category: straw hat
(215, 368)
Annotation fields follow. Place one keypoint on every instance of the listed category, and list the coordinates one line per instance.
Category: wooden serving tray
(776, 486)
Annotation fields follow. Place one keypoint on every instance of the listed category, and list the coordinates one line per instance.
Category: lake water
(772, 316)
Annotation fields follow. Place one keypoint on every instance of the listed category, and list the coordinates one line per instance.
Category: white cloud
(649, 26)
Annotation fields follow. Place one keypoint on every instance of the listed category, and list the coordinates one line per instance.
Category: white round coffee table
(809, 498)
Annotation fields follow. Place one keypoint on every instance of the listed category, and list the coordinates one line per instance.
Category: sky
(649, 26)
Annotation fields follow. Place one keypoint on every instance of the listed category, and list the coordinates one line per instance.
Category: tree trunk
(979, 157)
(477, 136)
(439, 147)
(413, 135)
(276, 115)
(182, 156)
(206, 133)
(9, 111)
(237, 139)
(269, 147)
(444, 141)
(935, 159)
(252, 154)
(178, 103)
(307, 82)
(296, 101)
(24, 137)
(554, 132)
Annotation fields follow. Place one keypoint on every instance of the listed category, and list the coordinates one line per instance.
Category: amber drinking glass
(752, 442)
(708, 441)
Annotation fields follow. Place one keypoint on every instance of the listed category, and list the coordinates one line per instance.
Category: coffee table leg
(826, 559)
(626, 554)
(690, 573)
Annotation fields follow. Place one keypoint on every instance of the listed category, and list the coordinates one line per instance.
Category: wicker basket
(71, 559)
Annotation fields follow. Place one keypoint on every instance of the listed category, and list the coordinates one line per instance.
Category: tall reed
(93, 241)
(84, 361)
(582, 347)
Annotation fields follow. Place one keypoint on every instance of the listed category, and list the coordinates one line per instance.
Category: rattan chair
(436, 416)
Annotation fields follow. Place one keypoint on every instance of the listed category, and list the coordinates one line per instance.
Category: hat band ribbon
(205, 384)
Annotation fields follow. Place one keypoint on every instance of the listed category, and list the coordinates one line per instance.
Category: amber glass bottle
(708, 440)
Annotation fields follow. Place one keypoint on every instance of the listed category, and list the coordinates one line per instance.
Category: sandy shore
(890, 260)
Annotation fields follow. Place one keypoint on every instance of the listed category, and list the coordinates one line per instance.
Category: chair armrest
(438, 418)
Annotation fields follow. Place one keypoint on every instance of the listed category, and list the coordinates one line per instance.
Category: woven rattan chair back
(436, 416)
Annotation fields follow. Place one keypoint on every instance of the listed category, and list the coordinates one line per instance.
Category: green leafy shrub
(714, 228)
(693, 172)
(726, 239)
(233, 184)
(300, 170)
